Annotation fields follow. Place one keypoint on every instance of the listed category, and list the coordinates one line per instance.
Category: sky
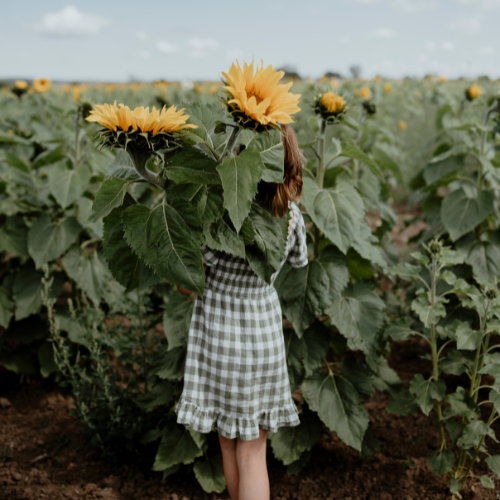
(119, 41)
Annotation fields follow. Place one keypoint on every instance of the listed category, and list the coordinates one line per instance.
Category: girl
(236, 378)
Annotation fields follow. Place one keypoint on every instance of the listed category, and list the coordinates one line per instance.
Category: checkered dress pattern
(236, 378)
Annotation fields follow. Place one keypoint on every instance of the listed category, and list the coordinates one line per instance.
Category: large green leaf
(67, 185)
(169, 364)
(210, 474)
(290, 442)
(14, 236)
(19, 360)
(164, 240)
(269, 234)
(176, 447)
(428, 313)
(473, 433)
(48, 240)
(177, 318)
(27, 292)
(462, 211)
(110, 195)
(441, 461)
(365, 244)
(240, 175)
(160, 394)
(84, 210)
(122, 167)
(467, 338)
(426, 391)
(399, 329)
(205, 116)
(337, 403)
(191, 165)
(316, 340)
(354, 152)
(360, 376)
(88, 271)
(271, 149)
(296, 352)
(219, 235)
(385, 161)
(6, 307)
(460, 404)
(493, 462)
(483, 256)
(46, 359)
(126, 267)
(337, 212)
(358, 314)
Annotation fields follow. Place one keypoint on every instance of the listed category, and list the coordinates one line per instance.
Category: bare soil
(42, 455)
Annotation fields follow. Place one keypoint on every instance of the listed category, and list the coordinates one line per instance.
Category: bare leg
(252, 466)
(228, 447)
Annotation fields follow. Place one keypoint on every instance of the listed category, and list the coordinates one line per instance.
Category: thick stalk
(320, 177)
(355, 163)
(77, 139)
(435, 359)
(231, 142)
(140, 159)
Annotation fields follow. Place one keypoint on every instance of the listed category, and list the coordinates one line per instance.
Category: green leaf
(313, 124)
(46, 359)
(84, 209)
(429, 314)
(191, 165)
(454, 428)
(338, 405)
(493, 462)
(400, 329)
(14, 236)
(360, 376)
(169, 364)
(205, 116)
(6, 307)
(492, 369)
(461, 404)
(159, 395)
(487, 482)
(163, 239)
(467, 338)
(219, 235)
(88, 271)
(337, 212)
(473, 433)
(272, 152)
(386, 162)
(122, 167)
(455, 485)
(461, 213)
(177, 318)
(441, 461)
(110, 195)
(365, 244)
(317, 340)
(289, 443)
(427, 390)
(296, 352)
(47, 240)
(453, 363)
(214, 206)
(297, 466)
(405, 271)
(176, 447)
(27, 292)
(371, 443)
(358, 314)
(240, 175)
(267, 251)
(49, 157)
(403, 403)
(483, 256)
(67, 185)
(18, 360)
(210, 474)
(354, 152)
(495, 399)
(126, 267)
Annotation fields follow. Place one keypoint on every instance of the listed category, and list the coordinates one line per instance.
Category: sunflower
(402, 125)
(441, 78)
(42, 85)
(365, 92)
(330, 106)
(387, 87)
(256, 100)
(21, 85)
(472, 92)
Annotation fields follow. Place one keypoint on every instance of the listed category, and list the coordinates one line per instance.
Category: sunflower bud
(473, 92)
(402, 125)
(369, 107)
(491, 293)
(20, 88)
(84, 109)
(387, 88)
(435, 247)
(365, 92)
(330, 106)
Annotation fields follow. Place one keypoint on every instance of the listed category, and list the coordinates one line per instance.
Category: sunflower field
(110, 192)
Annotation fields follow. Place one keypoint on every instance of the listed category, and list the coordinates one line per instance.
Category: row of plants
(91, 235)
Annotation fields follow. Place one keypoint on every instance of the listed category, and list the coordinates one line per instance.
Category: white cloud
(203, 43)
(481, 4)
(449, 46)
(413, 5)
(486, 51)
(69, 21)
(141, 36)
(145, 54)
(383, 33)
(166, 47)
(469, 26)
(430, 46)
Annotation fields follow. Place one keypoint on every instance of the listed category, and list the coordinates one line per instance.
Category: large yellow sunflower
(258, 95)
(42, 85)
(122, 117)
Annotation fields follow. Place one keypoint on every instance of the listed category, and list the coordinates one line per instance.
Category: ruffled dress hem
(204, 420)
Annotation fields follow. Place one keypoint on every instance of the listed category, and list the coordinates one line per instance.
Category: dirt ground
(42, 457)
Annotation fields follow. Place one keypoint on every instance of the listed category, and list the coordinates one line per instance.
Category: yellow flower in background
(21, 85)
(259, 96)
(473, 92)
(332, 102)
(109, 87)
(334, 82)
(42, 85)
(323, 79)
(402, 125)
(122, 117)
(365, 92)
(377, 78)
(387, 87)
(199, 88)
(418, 94)
(442, 79)
(213, 88)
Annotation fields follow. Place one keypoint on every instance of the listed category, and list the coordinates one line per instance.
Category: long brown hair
(291, 189)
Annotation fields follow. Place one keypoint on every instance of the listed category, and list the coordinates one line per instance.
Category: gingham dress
(236, 378)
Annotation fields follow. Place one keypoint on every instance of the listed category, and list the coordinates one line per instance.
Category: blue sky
(110, 40)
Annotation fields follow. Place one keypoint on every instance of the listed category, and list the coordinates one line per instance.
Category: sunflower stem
(230, 142)
(140, 159)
